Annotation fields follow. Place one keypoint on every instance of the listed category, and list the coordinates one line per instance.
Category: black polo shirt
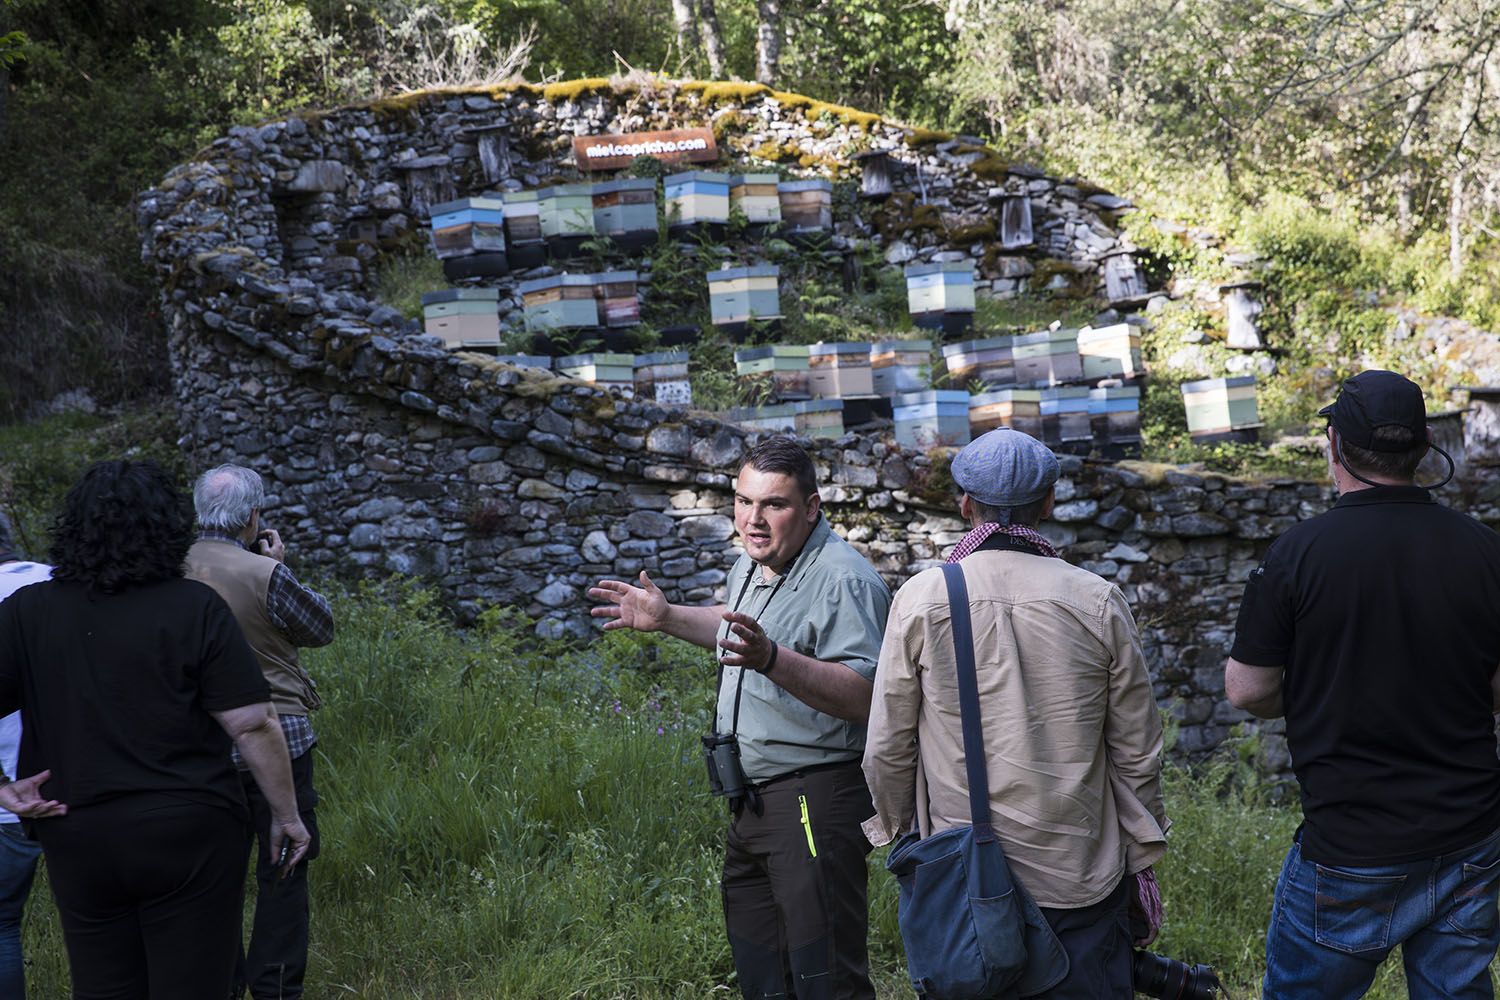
(1385, 613)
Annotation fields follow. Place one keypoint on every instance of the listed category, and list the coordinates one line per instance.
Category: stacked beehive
(806, 206)
(738, 295)
(463, 317)
(1221, 409)
(899, 366)
(697, 198)
(941, 296)
(755, 196)
(663, 376)
(625, 211)
(781, 370)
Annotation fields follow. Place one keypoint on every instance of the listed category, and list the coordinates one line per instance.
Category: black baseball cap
(1374, 399)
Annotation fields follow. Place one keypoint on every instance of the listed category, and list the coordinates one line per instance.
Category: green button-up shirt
(832, 606)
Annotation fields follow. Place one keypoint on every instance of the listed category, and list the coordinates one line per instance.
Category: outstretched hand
(642, 608)
(24, 798)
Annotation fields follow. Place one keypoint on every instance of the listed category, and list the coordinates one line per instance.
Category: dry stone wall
(386, 454)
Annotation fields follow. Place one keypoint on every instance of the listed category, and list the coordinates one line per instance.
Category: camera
(721, 753)
(1159, 976)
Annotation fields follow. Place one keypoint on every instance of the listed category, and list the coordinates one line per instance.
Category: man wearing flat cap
(1374, 628)
(1072, 735)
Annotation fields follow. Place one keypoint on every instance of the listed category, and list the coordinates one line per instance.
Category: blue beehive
(625, 211)
(737, 295)
(933, 417)
(696, 197)
(941, 296)
(468, 226)
(560, 301)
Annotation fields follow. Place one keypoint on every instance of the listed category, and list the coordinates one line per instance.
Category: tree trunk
(713, 41)
(4, 96)
(767, 40)
(682, 17)
(1456, 224)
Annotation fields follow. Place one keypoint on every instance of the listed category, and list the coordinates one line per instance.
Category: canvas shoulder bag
(971, 931)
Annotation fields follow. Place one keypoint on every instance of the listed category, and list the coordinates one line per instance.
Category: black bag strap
(968, 703)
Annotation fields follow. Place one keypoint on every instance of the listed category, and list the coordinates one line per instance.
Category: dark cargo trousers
(275, 963)
(794, 887)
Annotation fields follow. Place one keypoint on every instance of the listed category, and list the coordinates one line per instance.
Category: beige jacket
(1072, 733)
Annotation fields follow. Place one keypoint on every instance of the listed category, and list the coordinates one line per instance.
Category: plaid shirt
(306, 619)
(302, 615)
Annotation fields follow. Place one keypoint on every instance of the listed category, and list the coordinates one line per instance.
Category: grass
(505, 816)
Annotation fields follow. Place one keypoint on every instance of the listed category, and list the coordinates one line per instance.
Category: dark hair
(1401, 464)
(784, 456)
(122, 524)
(1029, 514)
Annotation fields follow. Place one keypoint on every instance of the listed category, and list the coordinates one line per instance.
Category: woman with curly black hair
(133, 682)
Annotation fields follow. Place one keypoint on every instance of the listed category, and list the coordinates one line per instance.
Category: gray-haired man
(242, 559)
(1071, 732)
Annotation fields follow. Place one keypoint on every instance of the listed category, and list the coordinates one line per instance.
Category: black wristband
(770, 663)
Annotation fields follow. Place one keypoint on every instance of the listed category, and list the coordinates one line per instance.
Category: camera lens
(1159, 976)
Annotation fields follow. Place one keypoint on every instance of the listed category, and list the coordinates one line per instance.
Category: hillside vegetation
(1348, 153)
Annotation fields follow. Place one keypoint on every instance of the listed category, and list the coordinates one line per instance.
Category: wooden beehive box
(461, 314)
(941, 296)
(1112, 351)
(1018, 409)
(610, 371)
(468, 226)
(899, 366)
(1221, 409)
(567, 210)
(560, 301)
(990, 361)
(737, 295)
(837, 370)
(625, 211)
(696, 197)
(663, 377)
(931, 417)
(819, 417)
(783, 366)
(756, 196)
(780, 418)
(526, 360)
(806, 206)
(1065, 417)
(1115, 418)
(524, 244)
(1049, 357)
(618, 304)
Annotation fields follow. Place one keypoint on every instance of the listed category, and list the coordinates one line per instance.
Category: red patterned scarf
(981, 534)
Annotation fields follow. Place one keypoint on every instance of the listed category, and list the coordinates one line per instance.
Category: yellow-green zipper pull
(812, 848)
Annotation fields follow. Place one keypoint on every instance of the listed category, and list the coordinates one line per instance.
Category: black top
(1385, 613)
(116, 689)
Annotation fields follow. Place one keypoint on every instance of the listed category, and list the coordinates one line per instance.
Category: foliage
(405, 277)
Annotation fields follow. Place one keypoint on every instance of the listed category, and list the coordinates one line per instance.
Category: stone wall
(384, 453)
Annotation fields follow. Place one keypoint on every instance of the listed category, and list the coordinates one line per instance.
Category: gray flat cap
(1005, 468)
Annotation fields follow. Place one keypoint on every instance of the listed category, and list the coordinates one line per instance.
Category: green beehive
(755, 195)
(610, 371)
(780, 418)
(567, 210)
(1112, 351)
(560, 301)
(1049, 357)
(1221, 409)
(989, 361)
(783, 366)
(819, 417)
(739, 294)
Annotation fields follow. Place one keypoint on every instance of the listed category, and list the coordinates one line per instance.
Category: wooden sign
(612, 152)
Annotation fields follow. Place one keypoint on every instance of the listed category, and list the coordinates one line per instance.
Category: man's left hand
(747, 645)
(1146, 912)
(24, 798)
(269, 543)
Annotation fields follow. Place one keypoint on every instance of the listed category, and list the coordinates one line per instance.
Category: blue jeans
(17, 866)
(1331, 927)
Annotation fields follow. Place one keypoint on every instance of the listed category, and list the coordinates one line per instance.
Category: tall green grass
(505, 816)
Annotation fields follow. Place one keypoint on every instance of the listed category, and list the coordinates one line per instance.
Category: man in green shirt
(797, 648)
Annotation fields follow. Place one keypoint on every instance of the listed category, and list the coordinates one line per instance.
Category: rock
(900, 252)
(597, 548)
(557, 594)
(319, 175)
(650, 524)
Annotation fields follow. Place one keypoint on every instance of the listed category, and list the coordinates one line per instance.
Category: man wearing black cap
(1374, 629)
(1072, 735)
